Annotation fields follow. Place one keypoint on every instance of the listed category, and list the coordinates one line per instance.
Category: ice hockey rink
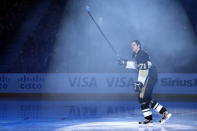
(95, 115)
(75, 65)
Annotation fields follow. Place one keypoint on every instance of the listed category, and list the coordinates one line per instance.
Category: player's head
(136, 45)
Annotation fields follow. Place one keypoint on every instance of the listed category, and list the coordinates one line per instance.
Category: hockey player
(147, 77)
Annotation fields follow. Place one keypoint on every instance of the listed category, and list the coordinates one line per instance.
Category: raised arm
(128, 64)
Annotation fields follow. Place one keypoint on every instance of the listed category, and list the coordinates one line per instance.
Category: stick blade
(87, 8)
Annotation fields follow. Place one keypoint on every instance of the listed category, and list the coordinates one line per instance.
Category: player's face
(135, 47)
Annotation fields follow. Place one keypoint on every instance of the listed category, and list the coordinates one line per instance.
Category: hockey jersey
(141, 62)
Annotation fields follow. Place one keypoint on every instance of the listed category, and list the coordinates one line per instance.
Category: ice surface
(66, 115)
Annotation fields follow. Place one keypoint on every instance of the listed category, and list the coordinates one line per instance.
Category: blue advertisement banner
(120, 83)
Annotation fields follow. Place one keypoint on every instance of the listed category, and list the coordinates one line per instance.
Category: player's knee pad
(144, 105)
(143, 100)
(153, 103)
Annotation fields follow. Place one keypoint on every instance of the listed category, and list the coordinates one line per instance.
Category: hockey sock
(157, 107)
(146, 111)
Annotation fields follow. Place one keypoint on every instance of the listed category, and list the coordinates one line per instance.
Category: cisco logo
(30, 82)
(4, 80)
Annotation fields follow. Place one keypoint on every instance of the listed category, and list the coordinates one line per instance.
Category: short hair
(138, 43)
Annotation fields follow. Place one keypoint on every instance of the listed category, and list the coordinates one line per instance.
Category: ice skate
(165, 116)
(146, 122)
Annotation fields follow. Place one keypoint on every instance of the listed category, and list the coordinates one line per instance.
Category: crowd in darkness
(38, 47)
(12, 14)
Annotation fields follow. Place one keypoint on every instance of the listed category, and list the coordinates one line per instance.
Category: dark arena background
(60, 70)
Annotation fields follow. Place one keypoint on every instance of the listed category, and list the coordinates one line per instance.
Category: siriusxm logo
(178, 83)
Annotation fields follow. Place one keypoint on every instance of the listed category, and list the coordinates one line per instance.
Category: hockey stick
(105, 37)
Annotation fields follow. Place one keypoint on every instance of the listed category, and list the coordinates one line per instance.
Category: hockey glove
(138, 86)
(122, 61)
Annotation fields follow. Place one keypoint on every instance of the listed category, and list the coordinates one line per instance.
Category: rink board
(79, 83)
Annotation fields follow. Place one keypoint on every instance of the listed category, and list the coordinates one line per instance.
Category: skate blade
(146, 125)
(168, 117)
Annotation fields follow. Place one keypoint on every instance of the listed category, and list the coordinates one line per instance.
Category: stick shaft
(105, 37)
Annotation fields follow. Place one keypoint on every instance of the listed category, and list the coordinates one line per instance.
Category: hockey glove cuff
(122, 61)
(138, 86)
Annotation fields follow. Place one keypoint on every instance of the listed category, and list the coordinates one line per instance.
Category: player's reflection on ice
(130, 124)
(62, 110)
(148, 128)
(90, 115)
